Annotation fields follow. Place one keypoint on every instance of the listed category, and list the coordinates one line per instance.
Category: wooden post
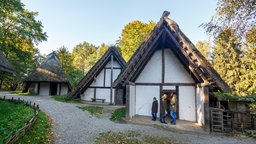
(111, 80)
(127, 101)
(206, 109)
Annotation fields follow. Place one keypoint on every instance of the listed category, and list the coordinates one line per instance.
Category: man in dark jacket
(154, 109)
(163, 109)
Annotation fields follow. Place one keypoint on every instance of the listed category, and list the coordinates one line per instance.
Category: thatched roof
(96, 69)
(4, 64)
(49, 71)
(167, 34)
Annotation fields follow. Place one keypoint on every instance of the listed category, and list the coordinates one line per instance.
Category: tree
(73, 74)
(19, 31)
(239, 15)
(204, 47)
(247, 83)
(101, 51)
(226, 58)
(85, 56)
(133, 35)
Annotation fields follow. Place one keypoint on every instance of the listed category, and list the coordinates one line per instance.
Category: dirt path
(73, 125)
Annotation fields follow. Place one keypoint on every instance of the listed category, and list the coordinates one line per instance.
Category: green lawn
(14, 116)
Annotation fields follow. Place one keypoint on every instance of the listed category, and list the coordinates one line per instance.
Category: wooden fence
(15, 135)
(229, 121)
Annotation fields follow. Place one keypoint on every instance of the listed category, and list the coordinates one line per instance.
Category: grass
(118, 114)
(13, 117)
(66, 99)
(20, 93)
(94, 110)
(132, 137)
(40, 132)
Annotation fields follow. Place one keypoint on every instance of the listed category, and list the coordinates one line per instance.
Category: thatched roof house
(98, 82)
(5, 66)
(49, 78)
(168, 62)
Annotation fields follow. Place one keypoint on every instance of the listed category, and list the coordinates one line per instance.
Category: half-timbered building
(97, 84)
(167, 62)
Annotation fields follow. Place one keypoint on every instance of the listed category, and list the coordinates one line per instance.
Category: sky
(71, 22)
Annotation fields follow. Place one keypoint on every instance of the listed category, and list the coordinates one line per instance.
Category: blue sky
(70, 22)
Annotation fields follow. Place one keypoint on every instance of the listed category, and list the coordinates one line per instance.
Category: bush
(118, 114)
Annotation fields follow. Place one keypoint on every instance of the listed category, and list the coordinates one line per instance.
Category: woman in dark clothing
(154, 109)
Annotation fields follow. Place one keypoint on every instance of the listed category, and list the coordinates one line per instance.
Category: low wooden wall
(15, 135)
(229, 121)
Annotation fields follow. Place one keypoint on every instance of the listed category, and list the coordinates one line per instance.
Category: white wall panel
(44, 89)
(88, 94)
(152, 72)
(174, 70)
(115, 64)
(144, 99)
(187, 103)
(103, 93)
(64, 89)
(132, 101)
(99, 79)
(200, 105)
(116, 72)
(169, 87)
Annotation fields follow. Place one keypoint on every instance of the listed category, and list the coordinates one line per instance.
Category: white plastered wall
(144, 99)
(88, 94)
(200, 105)
(174, 70)
(152, 72)
(44, 89)
(187, 103)
(132, 101)
(64, 89)
(116, 72)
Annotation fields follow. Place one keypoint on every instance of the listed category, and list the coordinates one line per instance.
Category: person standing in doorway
(154, 109)
(163, 109)
(173, 109)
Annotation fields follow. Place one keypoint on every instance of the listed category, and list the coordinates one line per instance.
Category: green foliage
(19, 30)
(133, 35)
(204, 47)
(226, 58)
(20, 93)
(253, 108)
(40, 132)
(247, 83)
(73, 74)
(132, 137)
(94, 110)
(85, 56)
(239, 15)
(118, 114)
(13, 117)
(250, 133)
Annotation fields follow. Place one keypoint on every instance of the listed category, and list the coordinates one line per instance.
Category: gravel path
(74, 126)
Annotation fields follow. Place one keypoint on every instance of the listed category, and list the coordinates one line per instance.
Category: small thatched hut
(98, 82)
(5, 66)
(48, 79)
(168, 62)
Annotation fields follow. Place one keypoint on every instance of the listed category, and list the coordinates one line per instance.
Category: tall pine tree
(226, 58)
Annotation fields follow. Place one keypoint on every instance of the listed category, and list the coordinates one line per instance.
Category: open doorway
(53, 88)
(171, 99)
